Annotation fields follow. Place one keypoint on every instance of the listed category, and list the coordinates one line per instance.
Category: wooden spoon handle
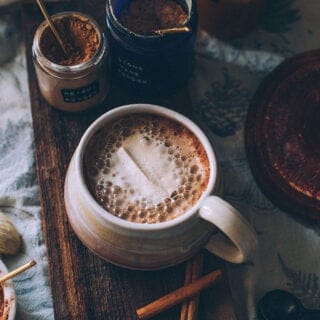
(52, 26)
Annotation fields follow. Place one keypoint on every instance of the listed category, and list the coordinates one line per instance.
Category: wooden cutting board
(83, 285)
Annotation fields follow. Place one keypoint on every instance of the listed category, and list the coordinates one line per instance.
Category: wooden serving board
(83, 285)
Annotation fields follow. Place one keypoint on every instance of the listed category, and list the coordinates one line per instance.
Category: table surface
(83, 285)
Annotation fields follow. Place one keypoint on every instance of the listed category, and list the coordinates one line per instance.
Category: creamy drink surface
(146, 168)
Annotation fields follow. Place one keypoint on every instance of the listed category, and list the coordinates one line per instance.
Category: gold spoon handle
(172, 30)
(52, 26)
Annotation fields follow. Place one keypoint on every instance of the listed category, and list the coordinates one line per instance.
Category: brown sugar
(146, 16)
(79, 36)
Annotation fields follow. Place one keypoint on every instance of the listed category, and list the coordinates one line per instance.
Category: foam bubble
(194, 169)
(148, 169)
(178, 163)
(99, 187)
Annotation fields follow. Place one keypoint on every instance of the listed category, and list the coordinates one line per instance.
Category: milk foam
(146, 168)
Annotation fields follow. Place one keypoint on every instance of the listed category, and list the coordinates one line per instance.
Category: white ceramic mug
(9, 311)
(211, 222)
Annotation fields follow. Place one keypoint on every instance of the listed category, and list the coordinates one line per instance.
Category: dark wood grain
(83, 285)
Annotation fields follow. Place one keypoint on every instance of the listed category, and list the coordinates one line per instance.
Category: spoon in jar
(52, 26)
(162, 32)
(282, 305)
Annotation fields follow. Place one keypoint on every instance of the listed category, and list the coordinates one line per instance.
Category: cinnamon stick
(178, 295)
(189, 309)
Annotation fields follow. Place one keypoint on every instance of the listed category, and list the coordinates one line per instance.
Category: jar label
(80, 94)
(131, 71)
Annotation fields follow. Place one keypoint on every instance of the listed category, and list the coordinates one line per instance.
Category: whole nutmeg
(10, 240)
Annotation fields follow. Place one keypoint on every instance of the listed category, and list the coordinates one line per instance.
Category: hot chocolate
(146, 168)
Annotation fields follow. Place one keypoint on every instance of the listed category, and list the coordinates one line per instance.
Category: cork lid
(282, 136)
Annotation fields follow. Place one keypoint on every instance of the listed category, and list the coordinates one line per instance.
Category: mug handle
(237, 240)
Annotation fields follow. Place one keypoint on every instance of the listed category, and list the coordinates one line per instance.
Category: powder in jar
(78, 81)
(80, 39)
(146, 16)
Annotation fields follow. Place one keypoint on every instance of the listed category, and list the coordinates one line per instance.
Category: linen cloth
(225, 78)
(19, 193)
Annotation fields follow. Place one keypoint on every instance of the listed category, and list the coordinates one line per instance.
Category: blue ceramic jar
(148, 65)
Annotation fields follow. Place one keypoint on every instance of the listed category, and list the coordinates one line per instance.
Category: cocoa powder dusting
(146, 16)
(80, 38)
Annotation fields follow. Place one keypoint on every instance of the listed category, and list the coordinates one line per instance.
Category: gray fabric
(19, 193)
(9, 35)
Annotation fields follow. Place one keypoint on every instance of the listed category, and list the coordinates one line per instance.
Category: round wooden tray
(282, 136)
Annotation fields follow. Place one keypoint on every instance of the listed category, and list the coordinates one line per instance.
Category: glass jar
(75, 87)
(150, 64)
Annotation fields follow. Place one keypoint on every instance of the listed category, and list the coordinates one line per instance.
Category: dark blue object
(282, 305)
(148, 65)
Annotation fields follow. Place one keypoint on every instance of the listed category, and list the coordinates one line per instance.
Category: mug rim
(146, 109)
